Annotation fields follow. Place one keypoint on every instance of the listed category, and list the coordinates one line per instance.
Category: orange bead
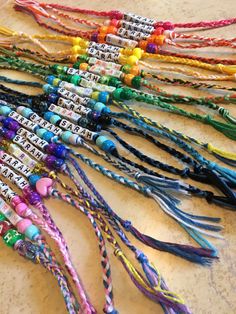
(134, 70)
(73, 58)
(159, 40)
(143, 44)
(151, 39)
(102, 38)
(83, 66)
(111, 30)
(128, 79)
(103, 29)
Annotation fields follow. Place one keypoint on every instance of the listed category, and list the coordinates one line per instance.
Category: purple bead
(50, 160)
(34, 198)
(151, 48)
(94, 37)
(51, 148)
(10, 134)
(14, 125)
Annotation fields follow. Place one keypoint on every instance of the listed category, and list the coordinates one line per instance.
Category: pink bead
(23, 225)
(21, 209)
(114, 22)
(16, 200)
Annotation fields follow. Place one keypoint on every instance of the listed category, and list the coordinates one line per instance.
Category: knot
(127, 224)
(207, 119)
(185, 172)
(118, 252)
(209, 197)
(141, 257)
(198, 168)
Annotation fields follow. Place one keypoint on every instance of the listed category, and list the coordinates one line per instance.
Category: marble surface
(27, 288)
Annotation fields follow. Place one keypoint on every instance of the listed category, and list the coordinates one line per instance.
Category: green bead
(126, 68)
(84, 58)
(75, 79)
(12, 236)
(64, 77)
(77, 64)
(117, 94)
(113, 81)
(2, 217)
(104, 79)
(127, 93)
(54, 67)
(136, 81)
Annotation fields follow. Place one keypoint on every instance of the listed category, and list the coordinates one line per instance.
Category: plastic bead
(32, 232)
(21, 209)
(94, 37)
(99, 106)
(83, 66)
(143, 44)
(12, 236)
(40, 132)
(54, 119)
(33, 179)
(47, 136)
(60, 151)
(52, 98)
(158, 31)
(76, 41)
(2, 217)
(16, 200)
(75, 79)
(23, 224)
(151, 48)
(137, 52)
(136, 81)
(49, 79)
(47, 116)
(128, 79)
(101, 38)
(95, 95)
(117, 93)
(159, 40)
(103, 97)
(56, 81)
(132, 60)
(4, 110)
(65, 136)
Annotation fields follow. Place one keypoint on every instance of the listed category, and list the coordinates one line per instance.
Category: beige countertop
(29, 289)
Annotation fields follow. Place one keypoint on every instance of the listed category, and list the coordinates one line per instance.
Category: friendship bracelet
(131, 29)
(35, 253)
(130, 56)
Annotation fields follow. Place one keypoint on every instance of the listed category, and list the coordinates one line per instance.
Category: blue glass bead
(55, 118)
(33, 178)
(58, 163)
(4, 110)
(47, 116)
(65, 136)
(99, 106)
(32, 232)
(48, 89)
(26, 112)
(52, 98)
(40, 132)
(108, 146)
(49, 79)
(47, 136)
(60, 151)
(103, 97)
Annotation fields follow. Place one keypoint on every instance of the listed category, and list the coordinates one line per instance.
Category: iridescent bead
(51, 148)
(94, 37)
(60, 151)
(49, 161)
(10, 134)
(52, 98)
(151, 48)
(58, 163)
(34, 198)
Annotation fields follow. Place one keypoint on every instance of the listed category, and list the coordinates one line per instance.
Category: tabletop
(27, 288)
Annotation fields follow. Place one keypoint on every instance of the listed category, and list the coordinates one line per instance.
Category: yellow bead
(132, 60)
(75, 49)
(127, 52)
(76, 41)
(137, 52)
(122, 59)
(84, 43)
(73, 58)
(55, 82)
(95, 95)
(128, 79)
